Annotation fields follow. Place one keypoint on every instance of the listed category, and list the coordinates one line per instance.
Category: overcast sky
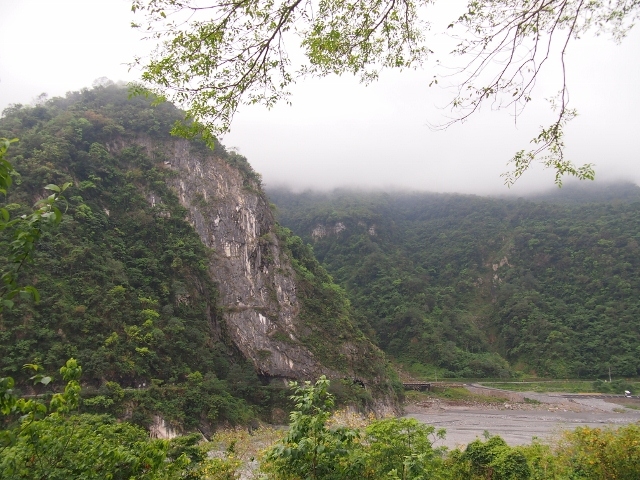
(339, 132)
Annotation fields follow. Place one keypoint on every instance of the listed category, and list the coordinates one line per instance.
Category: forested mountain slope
(459, 284)
(586, 192)
(168, 275)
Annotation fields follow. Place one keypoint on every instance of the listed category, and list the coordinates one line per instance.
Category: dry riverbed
(518, 423)
(464, 420)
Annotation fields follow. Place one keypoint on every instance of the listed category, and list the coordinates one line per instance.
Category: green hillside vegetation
(328, 316)
(584, 193)
(59, 445)
(124, 285)
(469, 286)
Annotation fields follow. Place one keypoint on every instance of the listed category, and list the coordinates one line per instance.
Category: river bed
(518, 424)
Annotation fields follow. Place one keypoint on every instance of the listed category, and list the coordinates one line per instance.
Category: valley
(170, 295)
(467, 286)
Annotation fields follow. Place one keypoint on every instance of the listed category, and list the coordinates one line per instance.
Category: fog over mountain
(338, 132)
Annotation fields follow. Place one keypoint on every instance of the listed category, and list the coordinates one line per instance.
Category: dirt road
(517, 423)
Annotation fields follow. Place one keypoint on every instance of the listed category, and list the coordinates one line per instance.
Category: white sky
(338, 132)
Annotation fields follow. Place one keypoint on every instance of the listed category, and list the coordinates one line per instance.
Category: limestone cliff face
(256, 282)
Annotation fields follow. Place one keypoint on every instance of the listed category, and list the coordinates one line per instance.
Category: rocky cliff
(263, 313)
(257, 287)
(169, 269)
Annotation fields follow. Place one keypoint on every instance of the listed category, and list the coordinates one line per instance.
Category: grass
(545, 386)
(453, 394)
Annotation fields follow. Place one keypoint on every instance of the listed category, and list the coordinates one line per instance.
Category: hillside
(168, 278)
(477, 287)
(588, 192)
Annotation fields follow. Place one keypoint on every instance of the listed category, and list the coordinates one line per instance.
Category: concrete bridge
(428, 386)
(419, 386)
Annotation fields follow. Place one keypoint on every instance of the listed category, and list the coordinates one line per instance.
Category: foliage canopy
(216, 56)
(454, 284)
(22, 232)
(123, 283)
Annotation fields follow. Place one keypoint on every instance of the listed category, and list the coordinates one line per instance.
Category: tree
(212, 59)
(494, 459)
(22, 233)
(311, 449)
(32, 410)
(401, 448)
(49, 441)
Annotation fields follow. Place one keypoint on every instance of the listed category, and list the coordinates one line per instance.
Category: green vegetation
(218, 56)
(464, 286)
(404, 449)
(616, 386)
(122, 280)
(50, 440)
(452, 393)
(328, 316)
(569, 386)
(312, 449)
(20, 233)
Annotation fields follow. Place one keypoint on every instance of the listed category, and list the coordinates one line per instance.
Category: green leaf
(32, 291)
(32, 366)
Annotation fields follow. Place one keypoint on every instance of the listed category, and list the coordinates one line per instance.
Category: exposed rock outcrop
(263, 313)
(256, 283)
(160, 428)
(321, 230)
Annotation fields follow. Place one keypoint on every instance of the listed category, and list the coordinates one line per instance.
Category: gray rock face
(256, 281)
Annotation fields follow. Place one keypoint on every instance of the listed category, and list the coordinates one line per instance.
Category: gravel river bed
(517, 423)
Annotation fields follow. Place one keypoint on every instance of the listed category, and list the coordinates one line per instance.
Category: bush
(615, 386)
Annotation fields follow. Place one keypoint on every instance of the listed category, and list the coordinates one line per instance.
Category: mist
(340, 133)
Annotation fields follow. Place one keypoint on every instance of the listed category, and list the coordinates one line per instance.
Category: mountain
(466, 286)
(168, 278)
(590, 192)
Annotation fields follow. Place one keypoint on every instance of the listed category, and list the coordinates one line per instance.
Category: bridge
(419, 386)
(427, 386)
